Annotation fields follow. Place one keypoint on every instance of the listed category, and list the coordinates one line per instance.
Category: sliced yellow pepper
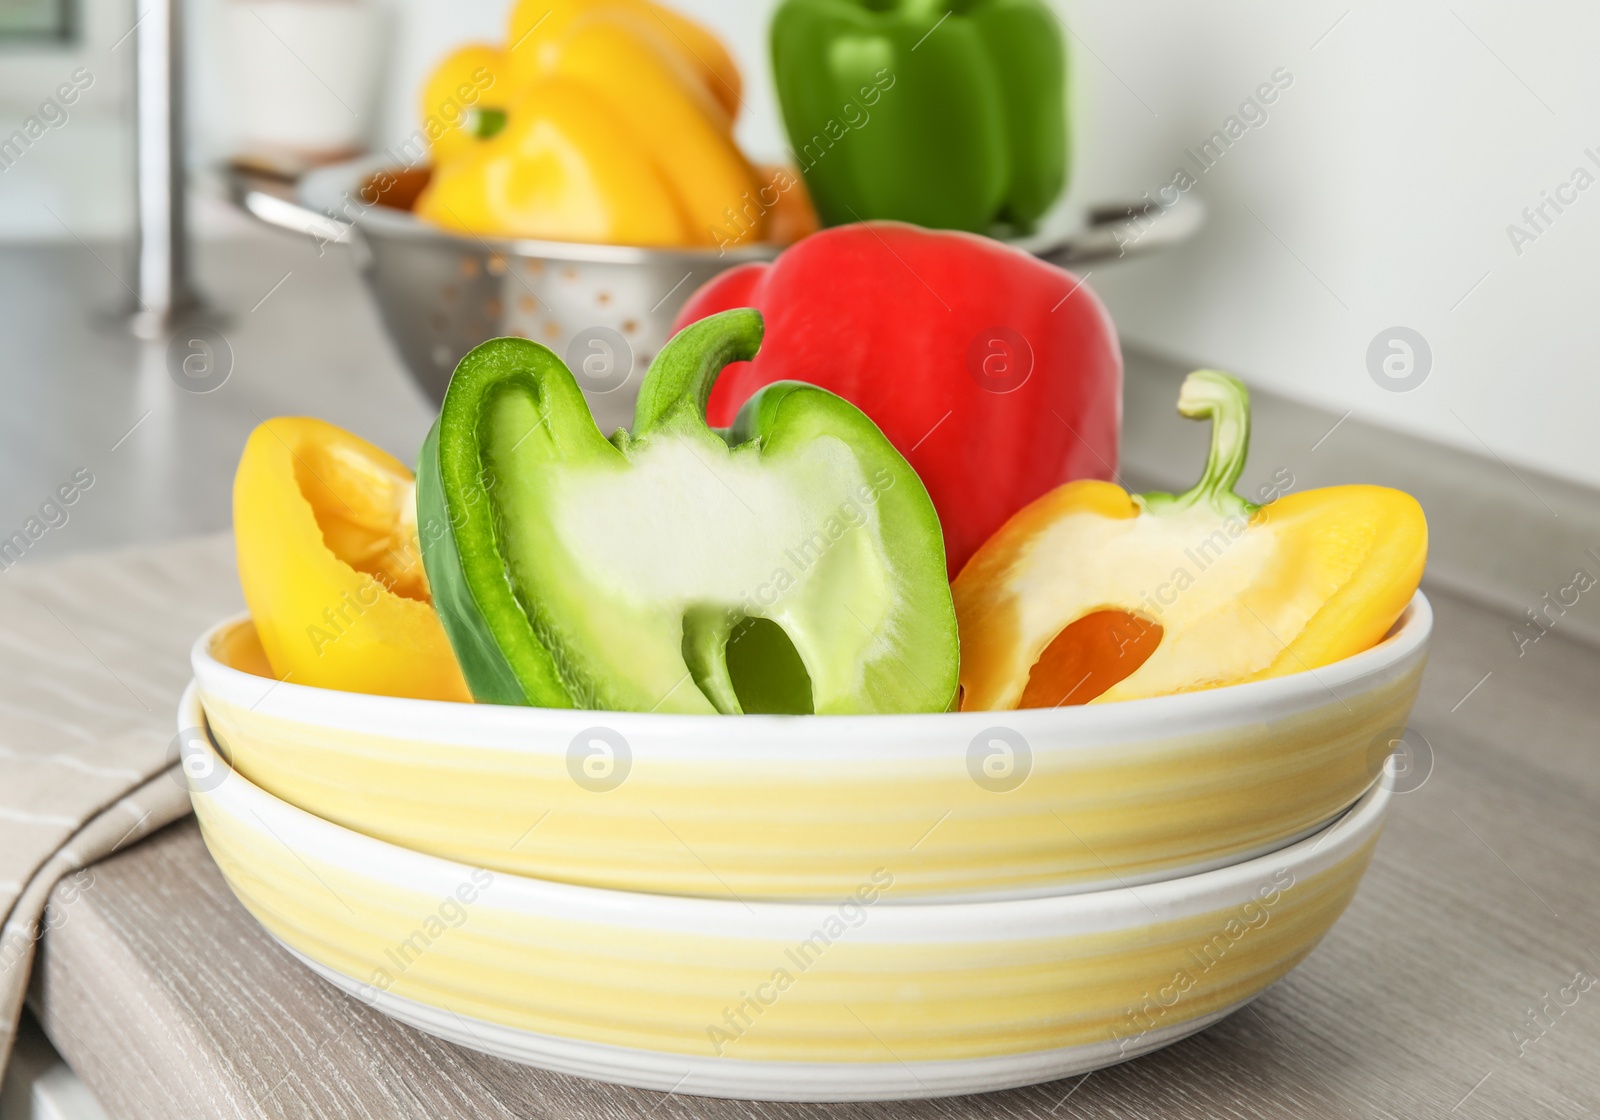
(537, 26)
(469, 81)
(1090, 594)
(564, 168)
(325, 527)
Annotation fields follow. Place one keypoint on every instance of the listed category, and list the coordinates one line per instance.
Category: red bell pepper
(997, 376)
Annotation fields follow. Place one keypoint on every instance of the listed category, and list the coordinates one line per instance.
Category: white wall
(81, 169)
(1377, 194)
(1381, 191)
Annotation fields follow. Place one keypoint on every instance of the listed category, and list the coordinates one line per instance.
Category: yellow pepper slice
(468, 81)
(537, 25)
(565, 168)
(1090, 594)
(325, 528)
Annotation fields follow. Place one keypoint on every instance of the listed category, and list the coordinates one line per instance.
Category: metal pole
(164, 291)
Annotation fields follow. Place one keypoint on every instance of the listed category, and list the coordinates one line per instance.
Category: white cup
(302, 74)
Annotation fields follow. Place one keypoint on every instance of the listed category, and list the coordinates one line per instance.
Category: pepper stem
(1209, 394)
(677, 386)
(484, 123)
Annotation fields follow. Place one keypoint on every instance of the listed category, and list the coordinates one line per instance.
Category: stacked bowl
(799, 907)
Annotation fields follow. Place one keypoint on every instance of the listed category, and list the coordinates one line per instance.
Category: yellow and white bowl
(849, 999)
(961, 805)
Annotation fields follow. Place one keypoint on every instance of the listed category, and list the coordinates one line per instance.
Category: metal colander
(606, 309)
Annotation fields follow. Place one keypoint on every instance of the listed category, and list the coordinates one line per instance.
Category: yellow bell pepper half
(325, 528)
(538, 26)
(1090, 594)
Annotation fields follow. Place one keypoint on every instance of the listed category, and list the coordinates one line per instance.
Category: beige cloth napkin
(94, 654)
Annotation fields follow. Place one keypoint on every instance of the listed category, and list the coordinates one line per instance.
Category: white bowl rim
(923, 733)
(908, 921)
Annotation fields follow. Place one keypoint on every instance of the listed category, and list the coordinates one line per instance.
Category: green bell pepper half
(951, 114)
(792, 564)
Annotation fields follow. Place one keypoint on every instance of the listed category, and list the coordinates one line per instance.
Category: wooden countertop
(1425, 1000)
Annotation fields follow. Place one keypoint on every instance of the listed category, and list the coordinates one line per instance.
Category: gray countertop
(1425, 1000)
(80, 392)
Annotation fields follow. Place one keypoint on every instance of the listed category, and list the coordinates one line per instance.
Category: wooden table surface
(1441, 992)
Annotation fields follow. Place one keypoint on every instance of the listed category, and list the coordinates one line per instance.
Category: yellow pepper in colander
(461, 98)
(537, 27)
(601, 127)
(564, 168)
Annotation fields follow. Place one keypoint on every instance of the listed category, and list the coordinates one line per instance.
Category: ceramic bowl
(960, 805)
(851, 999)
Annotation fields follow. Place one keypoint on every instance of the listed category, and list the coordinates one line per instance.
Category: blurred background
(1382, 189)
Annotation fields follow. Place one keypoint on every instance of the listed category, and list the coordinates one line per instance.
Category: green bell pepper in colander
(947, 113)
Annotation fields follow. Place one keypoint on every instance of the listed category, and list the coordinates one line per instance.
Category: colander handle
(277, 210)
(1116, 232)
